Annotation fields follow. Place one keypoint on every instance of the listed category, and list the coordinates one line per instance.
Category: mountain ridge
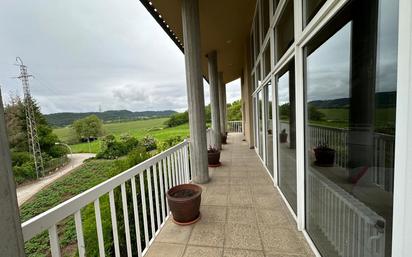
(62, 119)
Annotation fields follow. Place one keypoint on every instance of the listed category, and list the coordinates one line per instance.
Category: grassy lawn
(138, 129)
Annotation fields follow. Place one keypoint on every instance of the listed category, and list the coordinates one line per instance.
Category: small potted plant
(184, 202)
(325, 156)
(213, 156)
(283, 136)
(224, 138)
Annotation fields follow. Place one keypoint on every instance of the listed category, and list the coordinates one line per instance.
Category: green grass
(138, 129)
(132, 127)
(88, 175)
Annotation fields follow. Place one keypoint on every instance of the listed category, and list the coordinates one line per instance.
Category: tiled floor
(242, 215)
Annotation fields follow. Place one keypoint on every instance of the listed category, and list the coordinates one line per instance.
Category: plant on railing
(325, 156)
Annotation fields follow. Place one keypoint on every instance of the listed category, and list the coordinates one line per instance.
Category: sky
(86, 55)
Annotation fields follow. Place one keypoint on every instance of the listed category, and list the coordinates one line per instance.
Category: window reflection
(350, 131)
(265, 16)
(269, 127)
(311, 7)
(285, 30)
(260, 122)
(287, 134)
(266, 56)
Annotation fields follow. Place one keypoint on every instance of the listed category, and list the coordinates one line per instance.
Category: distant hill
(67, 118)
(382, 99)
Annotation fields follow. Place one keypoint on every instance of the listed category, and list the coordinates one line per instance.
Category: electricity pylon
(33, 139)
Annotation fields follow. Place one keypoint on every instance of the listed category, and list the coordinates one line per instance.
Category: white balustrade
(352, 228)
(235, 126)
(155, 177)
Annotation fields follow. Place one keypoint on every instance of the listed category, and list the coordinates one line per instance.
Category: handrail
(174, 157)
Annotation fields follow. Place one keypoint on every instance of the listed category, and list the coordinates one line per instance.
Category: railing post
(11, 243)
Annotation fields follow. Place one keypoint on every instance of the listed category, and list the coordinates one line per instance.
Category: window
(266, 60)
(287, 133)
(269, 127)
(260, 122)
(257, 34)
(285, 30)
(310, 8)
(265, 16)
(350, 130)
(274, 5)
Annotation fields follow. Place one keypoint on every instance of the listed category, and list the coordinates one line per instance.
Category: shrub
(149, 142)
(177, 119)
(18, 158)
(113, 149)
(24, 172)
(172, 141)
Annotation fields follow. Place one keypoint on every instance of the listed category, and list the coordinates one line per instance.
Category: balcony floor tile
(243, 214)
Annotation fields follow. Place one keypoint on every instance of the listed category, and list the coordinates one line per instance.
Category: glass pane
(285, 30)
(274, 4)
(252, 49)
(269, 128)
(287, 134)
(350, 131)
(265, 16)
(260, 122)
(311, 7)
(257, 35)
(253, 82)
(255, 115)
(258, 76)
(266, 56)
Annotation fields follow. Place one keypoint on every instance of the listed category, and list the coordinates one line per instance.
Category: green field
(138, 129)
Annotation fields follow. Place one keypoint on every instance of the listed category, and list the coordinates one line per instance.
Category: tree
(88, 128)
(315, 114)
(234, 110)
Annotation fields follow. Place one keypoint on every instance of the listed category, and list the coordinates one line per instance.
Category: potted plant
(184, 202)
(283, 136)
(213, 156)
(325, 156)
(224, 138)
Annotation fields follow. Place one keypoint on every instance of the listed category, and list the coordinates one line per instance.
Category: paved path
(25, 192)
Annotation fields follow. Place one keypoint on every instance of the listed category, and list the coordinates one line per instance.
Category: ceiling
(224, 27)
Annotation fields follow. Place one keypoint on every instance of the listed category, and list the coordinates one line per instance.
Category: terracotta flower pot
(224, 139)
(324, 156)
(184, 202)
(213, 158)
(283, 137)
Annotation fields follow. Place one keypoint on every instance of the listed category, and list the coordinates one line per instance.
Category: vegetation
(23, 165)
(234, 110)
(92, 173)
(67, 118)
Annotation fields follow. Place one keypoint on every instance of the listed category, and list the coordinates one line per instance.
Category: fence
(337, 139)
(160, 172)
(235, 126)
(351, 227)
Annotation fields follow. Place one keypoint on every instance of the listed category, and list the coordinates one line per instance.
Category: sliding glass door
(269, 127)
(350, 130)
(286, 123)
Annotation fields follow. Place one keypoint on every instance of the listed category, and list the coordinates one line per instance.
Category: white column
(194, 82)
(11, 243)
(214, 99)
(402, 199)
